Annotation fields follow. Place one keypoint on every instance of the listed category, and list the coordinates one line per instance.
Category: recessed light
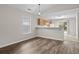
(29, 9)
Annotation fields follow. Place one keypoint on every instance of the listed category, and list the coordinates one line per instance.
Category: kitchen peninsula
(50, 32)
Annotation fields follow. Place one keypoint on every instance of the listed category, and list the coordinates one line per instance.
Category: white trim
(77, 26)
(30, 24)
(22, 39)
(51, 38)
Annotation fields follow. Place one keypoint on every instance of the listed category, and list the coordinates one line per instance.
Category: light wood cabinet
(42, 21)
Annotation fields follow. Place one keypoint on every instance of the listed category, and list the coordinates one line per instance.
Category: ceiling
(31, 8)
(44, 8)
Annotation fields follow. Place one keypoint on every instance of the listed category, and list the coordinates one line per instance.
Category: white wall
(10, 25)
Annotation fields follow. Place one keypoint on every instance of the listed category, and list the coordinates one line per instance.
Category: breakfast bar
(50, 32)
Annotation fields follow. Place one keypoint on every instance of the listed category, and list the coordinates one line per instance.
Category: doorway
(64, 25)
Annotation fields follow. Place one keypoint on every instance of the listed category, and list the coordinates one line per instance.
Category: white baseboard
(26, 38)
(51, 38)
(23, 39)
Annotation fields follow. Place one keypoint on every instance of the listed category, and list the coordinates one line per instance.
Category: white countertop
(47, 27)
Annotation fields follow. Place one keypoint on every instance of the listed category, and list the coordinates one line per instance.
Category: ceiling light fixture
(39, 10)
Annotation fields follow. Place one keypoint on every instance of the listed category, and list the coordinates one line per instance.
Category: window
(26, 24)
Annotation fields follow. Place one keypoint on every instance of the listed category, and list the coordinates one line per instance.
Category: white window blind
(26, 24)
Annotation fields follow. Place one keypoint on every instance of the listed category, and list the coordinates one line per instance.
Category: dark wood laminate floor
(42, 46)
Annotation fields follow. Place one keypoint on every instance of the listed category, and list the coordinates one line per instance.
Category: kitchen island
(50, 32)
